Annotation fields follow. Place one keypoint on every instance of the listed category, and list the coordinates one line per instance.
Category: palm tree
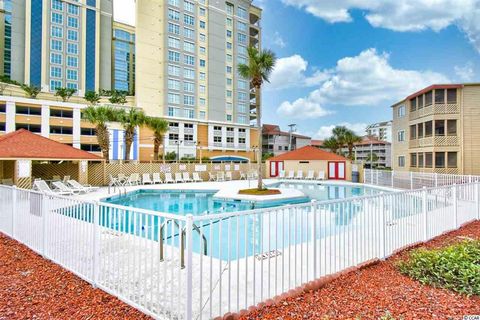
(350, 138)
(99, 116)
(258, 69)
(159, 127)
(130, 120)
(332, 144)
(65, 93)
(92, 97)
(339, 133)
(31, 91)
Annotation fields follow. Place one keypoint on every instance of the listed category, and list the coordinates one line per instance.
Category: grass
(455, 267)
(259, 192)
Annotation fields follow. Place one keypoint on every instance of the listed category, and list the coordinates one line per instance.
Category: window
(428, 128)
(173, 112)
(173, 84)
(90, 147)
(439, 127)
(174, 42)
(229, 82)
(56, 32)
(173, 136)
(452, 96)
(202, 12)
(72, 48)
(55, 58)
(229, 45)
(87, 132)
(217, 139)
(72, 22)
(241, 60)
(3, 108)
(413, 160)
(229, 118)
(188, 100)
(242, 13)
(241, 140)
(242, 96)
(72, 74)
(241, 26)
(188, 125)
(229, 58)
(202, 76)
(30, 127)
(229, 8)
(420, 160)
(229, 69)
(189, 60)
(189, 33)
(57, 5)
(72, 61)
(420, 130)
(230, 140)
(202, 89)
(428, 159)
(72, 35)
(229, 93)
(189, 46)
(202, 63)
(56, 45)
(55, 72)
(188, 137)
(401, 161)
(242, 130)
(173, 15)
(401, 136)
(401, 111)
(189, 113)
(242, 38)
(452, 127)
(28, 110)
(188, 20)
(242, 50)
(242, 119)
(173, 70)
(189, 6)
(217, 128)
(420, 102)
(229, 33)
(57, 18)
(428, 98)
(439, 96)
(203, 50)
(173, 28)
(203, 25)
(54, 84)
(173, 56)
(61, 130)
(229, 22)
(242, 84)
(413, 132)
(173, 124)
(72, 85)
(439, 159)
(189, 86)
(61, 113)
(72, 9)
(202, 115)
(175, 3)
(203, 38)
(173, 98)
(188, 73)
(242, 107)
(413, 104)
(452, 159)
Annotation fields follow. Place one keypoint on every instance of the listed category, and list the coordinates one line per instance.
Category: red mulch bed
(34, 288)
(371, 292)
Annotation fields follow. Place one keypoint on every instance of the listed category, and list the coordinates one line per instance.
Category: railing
(232, 260)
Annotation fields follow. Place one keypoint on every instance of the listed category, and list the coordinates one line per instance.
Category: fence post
(411, 180)
(455, 205)
(96, 242)
(189, 269)
(314, 236)
(477, 201)
(425, 213)
(383, 227)
(14, 209)
(44, 224)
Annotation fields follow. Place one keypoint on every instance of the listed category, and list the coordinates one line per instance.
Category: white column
(10, 117)
(224, 137)
(235, 137)
(45, 121)
(77, 117)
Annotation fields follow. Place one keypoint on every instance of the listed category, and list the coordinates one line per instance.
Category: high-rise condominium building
(5, 38)
(58, 43)
(123, 61)
(381, 130)
(187, 57)
(436, 130)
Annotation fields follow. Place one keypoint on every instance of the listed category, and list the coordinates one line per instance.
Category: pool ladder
(182, 242)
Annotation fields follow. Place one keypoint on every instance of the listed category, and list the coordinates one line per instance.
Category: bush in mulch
(455, 267)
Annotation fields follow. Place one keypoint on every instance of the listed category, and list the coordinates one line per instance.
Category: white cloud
(325, 132)
(278, 40)
(465, 73)
(291, 72)
(124, 11)
(401, 15)
(366, 79)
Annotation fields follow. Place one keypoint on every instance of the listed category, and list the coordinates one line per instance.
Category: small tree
(371, 159)
(3, 85)
(332, 144)
(31, 91)
(267, 155)
(170, 156)
(100, 116)
(118, 97)
(159, 127)
(130, 120)
(92, 97)
(65, 93)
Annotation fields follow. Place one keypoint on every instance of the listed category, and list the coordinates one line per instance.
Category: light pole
(290, 131)
(178, 142)
(197, 146)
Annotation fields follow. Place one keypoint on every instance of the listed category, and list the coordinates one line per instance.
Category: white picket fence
(231, 260)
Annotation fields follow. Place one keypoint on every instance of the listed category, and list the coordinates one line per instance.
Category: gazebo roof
(23, 144)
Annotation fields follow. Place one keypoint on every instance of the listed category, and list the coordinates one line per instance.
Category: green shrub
(455, 267)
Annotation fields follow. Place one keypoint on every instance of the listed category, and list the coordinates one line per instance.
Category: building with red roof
(277, 141)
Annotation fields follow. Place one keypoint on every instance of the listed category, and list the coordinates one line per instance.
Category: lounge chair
(168, 178)
(74, 184)
(281, 174)
(56, 178)
(186, 177)
(156, 178)
(42, 186)
(132, 180)
(146, 178)
(65, 179)
(228, 176)
(114, 182)
(299, 174)
(196, 177)
(310, 175)
(291, 174)
(122, 178)
(178, 177)
(321, 175)
(243, 176)
(212, 177)
(61, 187)
(221, 176)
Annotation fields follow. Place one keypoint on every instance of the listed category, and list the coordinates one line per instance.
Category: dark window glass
(87, 131)
(452, 159)
(420, 160)
(61, 130)
(30, 127)
(173, 124)
(439, 95)
(61, 113)
(413, 104)
(413, 132)
(3, 107)
(420, 130)
(452, 127)
(29, 110)
(428, 159)
(413, 160)
(2, 126)
(90, 147)
(173, 136)
(428, 128)
(439, 127)
(439, 159)
(428, 98)
(188, 125)
(420, 101)
(452, 96)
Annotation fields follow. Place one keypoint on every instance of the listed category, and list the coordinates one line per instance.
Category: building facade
(435, 130)
(372, 152)
(57, 44)
(123, 61)
(380, 130)
(277, 142)
(5, 38)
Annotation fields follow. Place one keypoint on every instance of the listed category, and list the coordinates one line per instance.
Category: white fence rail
(414, 180)
(230, 261)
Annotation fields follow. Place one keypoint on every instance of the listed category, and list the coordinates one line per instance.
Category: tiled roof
(317, 143)
(308, 153)
(272, 129)
(367, 140)
(26, 145)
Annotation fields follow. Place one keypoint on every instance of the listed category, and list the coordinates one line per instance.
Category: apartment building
(123, 61)
(277, 142)
(436, 130)
(5, 37)
(57, 43)
(372, 151)
(381, 130)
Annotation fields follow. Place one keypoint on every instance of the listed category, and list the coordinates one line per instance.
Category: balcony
(242, 134)
(435, 141)
(217, 132)
(188, 130)
(448, 108)
(173, 129)
(230, 145)
(230, 133)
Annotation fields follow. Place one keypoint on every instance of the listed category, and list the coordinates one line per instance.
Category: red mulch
(371, 292)
(34, 288)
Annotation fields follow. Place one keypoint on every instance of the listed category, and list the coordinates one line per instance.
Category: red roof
(24, 144)
(308, 153)
(274, 130)
(432, 87)
(368, 140)
(316, 143)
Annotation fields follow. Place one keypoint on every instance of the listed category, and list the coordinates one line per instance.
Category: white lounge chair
(281, 174)
(74, 184)
(178, 177)
(156, 178)
(186, 177)
(61, 187)
(168, 178)
(122, 178)
(321, 175)
(146, 178)
(211, 177)
(243, 175)
(291, 174)
(114, 182)
(133, 180)
(221, 176)
(196, 177)
(228, 176)
(299, 174)
(42, 186)
(310, 175)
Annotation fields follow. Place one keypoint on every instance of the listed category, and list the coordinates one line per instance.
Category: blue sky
(347, 61)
